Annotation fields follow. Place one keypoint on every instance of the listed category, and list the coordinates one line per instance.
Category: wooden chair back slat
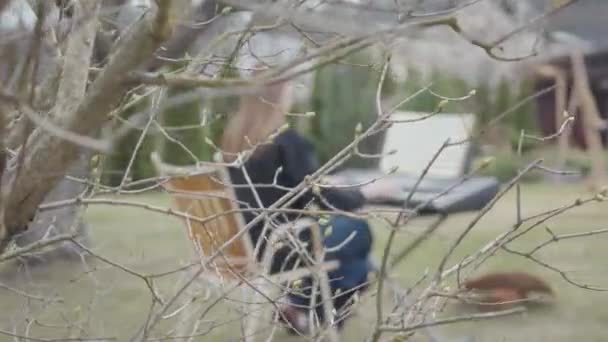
(207, 198)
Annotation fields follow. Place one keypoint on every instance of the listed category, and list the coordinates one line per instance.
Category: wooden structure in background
(583, 80)
(560, 116)
(596, 64)
(593, 124)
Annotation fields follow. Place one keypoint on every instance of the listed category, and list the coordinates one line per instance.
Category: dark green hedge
(344, 95)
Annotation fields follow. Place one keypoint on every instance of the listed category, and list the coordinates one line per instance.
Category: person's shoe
(295, 320)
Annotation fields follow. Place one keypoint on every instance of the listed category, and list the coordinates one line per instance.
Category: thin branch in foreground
(532, 22)
(156, 103)
(418, 240)
(481, 214)
(393, 233)
(556, 238)
(555, 269)
(149, 283)
(75, 339)
(51, 127)
(35, 246)
(457, 319)
(30, 296)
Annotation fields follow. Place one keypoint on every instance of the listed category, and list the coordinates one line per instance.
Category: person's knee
(349, 225)
(352, 235)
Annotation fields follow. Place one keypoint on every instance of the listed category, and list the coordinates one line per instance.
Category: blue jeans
(352, 274)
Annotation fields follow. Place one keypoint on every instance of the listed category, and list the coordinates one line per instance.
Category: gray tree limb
(185, 35)
(48, 224)
(49, 157)
(75, 71)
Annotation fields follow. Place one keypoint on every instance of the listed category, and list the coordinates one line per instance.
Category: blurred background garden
(512, 96)
(522, 110)
(343, 96)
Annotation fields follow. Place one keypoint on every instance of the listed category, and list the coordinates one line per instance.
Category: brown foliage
(505, 289)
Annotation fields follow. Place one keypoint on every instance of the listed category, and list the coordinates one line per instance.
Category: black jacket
(295, 155)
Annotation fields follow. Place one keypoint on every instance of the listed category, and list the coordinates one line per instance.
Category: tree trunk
(65, 220)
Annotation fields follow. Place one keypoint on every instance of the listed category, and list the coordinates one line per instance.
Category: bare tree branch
(456, 319)
(54, 155)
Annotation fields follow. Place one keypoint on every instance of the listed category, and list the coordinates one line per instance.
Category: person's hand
(380, 189)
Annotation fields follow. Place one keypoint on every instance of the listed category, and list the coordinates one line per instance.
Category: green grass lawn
(110, 302)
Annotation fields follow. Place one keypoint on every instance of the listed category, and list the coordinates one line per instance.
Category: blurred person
(282, 153)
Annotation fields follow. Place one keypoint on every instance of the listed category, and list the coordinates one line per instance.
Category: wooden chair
(214, 223)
